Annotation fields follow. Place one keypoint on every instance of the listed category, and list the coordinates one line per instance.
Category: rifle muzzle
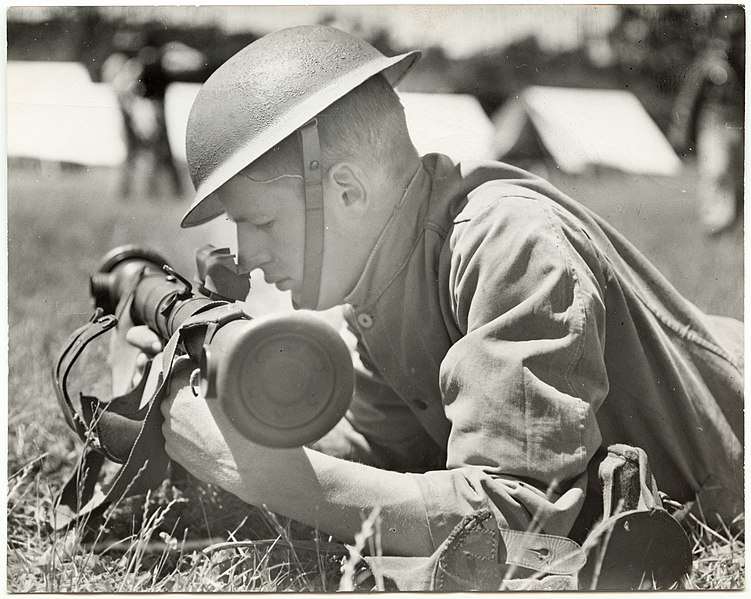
(284, 381)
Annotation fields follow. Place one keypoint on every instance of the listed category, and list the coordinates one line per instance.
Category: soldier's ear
(349, 186)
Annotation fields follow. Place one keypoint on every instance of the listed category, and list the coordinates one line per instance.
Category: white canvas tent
(453, 124)
(55, 112)
(581, 128)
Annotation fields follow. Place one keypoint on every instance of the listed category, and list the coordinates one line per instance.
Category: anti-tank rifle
(284, 381)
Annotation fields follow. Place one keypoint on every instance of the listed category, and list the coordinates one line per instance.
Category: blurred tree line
(85, 34)
(648, 51)
(654, 47)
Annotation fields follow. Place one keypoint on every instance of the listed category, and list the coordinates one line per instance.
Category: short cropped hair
(368, 124)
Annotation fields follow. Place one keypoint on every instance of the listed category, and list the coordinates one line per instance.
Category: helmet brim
(206, 205)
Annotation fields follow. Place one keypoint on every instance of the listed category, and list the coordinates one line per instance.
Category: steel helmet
(266, 92)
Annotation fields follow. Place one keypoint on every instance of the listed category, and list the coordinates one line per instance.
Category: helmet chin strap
(314, 227)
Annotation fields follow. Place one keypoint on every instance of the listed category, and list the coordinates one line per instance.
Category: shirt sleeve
(379, 429)
(523, 384)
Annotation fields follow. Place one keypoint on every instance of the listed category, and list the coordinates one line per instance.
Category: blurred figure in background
(122, 70)
(153, 81)
(709, 112)
(140, 72)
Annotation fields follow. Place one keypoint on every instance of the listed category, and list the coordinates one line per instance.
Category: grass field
(61, 221)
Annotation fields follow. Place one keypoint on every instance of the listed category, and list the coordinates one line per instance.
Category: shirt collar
(396, 241)
(437, 190)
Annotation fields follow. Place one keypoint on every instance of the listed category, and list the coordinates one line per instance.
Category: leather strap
(120, 430)
(550, 554)
(74, 345)
(314, 225)
(637, 544)
(627, 480)
(144, 468)
(480, 536)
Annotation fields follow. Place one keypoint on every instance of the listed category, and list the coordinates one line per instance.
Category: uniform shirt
(506, 333)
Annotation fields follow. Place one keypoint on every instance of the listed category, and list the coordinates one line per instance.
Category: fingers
(122, 359)
(141, 360)
(144, 339)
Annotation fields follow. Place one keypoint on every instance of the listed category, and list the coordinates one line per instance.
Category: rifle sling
(121, 430)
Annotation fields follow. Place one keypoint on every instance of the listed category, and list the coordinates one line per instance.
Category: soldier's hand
(131, 347)
(198, 435)
(144, 339)
(148, 342)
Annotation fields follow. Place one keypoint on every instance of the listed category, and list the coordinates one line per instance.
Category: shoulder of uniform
(501, 199)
